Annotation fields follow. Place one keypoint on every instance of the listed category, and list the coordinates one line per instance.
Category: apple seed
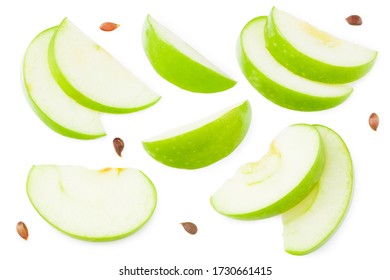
(118, 145)
(354, 20)
(189, 227)
(109, 26)
(22, 230)
(373, 121)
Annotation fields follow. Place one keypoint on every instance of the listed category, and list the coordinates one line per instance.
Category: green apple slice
(312, 222)
(278, 84)
(276, 183)
(91, 76)
(179, 63)
(92, 205)
(55, 108)
(204, 142)
(313, 53)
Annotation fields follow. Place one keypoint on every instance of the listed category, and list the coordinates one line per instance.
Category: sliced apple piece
(204, 142)
(93, 205)
(278, 84)
(55, 108)
(179, 63)
(91, 76)
(312, 222)
(313, 53)
(276, 183)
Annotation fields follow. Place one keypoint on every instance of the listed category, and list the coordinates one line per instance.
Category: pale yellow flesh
(321, 45)
(91, 203)
(93, 72)
(255, 48)
(46, 94)
(263, 183)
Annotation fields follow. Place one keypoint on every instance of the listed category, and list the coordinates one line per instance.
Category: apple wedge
(54, 107)
(312, 222)
(279, 181)
(92, 77)
(92, 205)
(204, 142)
(179, 63)
(313, 53)
(278, 84)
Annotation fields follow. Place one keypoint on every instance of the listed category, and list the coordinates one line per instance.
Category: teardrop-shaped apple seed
(118, 145)
(189, 227)
(22, 230)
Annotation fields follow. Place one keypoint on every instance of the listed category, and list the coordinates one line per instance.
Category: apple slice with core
(312, 222)
(275, 82)
(279, 181)
(93, 205)
(91, 76)
(204, 142)
(313, 53)
(180, 64)
(55, 108)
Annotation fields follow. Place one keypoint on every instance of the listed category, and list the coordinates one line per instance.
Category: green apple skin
(289, 200)
(178, 68)
(89, 238)
(333, 191)
(84, 98)
(278, 93)
(301, 64)
(205, 145)
(59, 128)
(52, 87)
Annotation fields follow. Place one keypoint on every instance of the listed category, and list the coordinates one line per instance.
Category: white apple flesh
(93, 205)
(312, 222)
(278, 84)
(280, 180)
(91, 76)
(54, 107)
(313, 53)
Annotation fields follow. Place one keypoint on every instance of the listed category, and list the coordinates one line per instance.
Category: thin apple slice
(313, 53)
(312, 222)
(91, 76)
(278, 84)
(279, 181)
(93, 205)
(55, 108)
(179, 63)
(204, 142)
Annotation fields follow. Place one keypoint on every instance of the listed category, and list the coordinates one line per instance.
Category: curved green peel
(311, 223)
(313, 53)
(204, 142)
(179, 63)
(92, 205)
(51, 104)
(278, 84)
(279, 181)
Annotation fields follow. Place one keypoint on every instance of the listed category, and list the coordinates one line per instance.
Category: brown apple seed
(354, 20)
(189, 227)
(109, 26)
(373, 121)
(118, 145)
(22, 230)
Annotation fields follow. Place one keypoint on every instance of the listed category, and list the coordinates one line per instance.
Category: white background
(358, 249)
